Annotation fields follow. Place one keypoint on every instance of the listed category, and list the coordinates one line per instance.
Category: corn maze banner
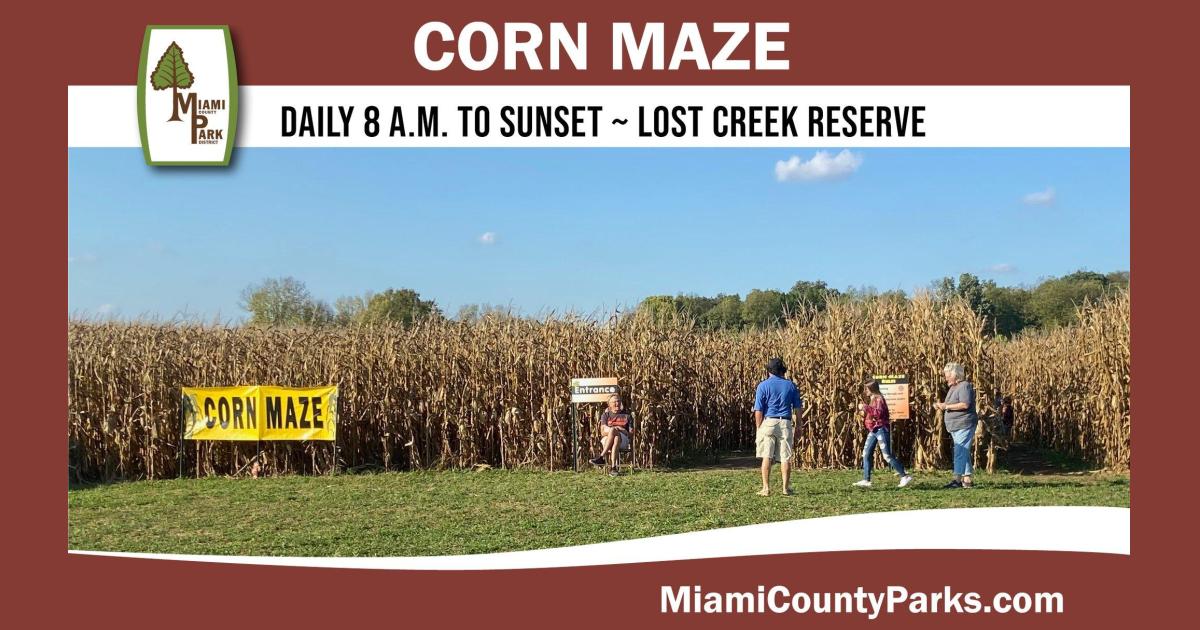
(260, 412)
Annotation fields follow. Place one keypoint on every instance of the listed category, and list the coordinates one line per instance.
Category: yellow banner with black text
(260, 412)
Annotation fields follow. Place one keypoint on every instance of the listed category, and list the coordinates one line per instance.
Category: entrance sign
(587, 390)
(894, 388)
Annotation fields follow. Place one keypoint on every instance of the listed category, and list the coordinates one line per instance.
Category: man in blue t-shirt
(774, 401)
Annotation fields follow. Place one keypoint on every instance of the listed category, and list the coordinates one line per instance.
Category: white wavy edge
(1081, 529)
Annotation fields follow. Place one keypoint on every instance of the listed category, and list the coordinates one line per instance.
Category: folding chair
(628, 450)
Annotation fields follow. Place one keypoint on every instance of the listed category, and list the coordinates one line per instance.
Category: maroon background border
(49, 47)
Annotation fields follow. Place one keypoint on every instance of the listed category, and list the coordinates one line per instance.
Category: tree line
(287, 302)
(1006, 310)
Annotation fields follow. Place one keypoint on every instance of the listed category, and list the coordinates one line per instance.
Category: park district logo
(187, 96)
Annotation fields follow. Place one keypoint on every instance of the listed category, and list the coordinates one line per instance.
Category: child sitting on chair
(615, 425)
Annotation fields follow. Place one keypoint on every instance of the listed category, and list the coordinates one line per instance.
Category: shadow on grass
(1019, 459)
(76, 484)
(1024, 459)
(983, 484)
(708, 460)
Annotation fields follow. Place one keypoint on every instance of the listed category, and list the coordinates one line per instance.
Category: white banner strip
(1074, 529)
(952, 116)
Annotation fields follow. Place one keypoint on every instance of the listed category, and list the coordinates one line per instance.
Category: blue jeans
(884, 440)
(963, 441)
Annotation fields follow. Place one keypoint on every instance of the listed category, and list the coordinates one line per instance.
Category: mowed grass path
(462, 512)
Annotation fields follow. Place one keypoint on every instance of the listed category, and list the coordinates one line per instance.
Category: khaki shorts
(624, 439)
(774, 440)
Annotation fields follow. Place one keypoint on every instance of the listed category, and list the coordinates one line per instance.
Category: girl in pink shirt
(877, 419)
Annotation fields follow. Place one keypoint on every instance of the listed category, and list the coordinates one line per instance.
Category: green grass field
(461, 512)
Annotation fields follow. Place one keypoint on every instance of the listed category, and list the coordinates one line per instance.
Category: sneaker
(614, 473)
(953, 484)
(862, 483)
(905, 480)
(599, 461)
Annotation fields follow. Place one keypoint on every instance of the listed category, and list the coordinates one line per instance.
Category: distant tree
(402, 306)
(726, 314)
(1010, 306)
(284, 302)
(348, 310)
(469, 313)
(694, 306)
(1118, 280)
(660, 308)
(1054, 301)
(319, 314)
(892, 295)
(763, 308)
(970, 289)
(476, 312)
(664, 307)
(864, 293)
(1085, 276)
(975, 293)
(808, 294)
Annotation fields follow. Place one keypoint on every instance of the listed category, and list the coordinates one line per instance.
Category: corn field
(1070, 386)
(445, 394)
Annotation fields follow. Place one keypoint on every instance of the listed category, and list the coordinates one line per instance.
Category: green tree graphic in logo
(172, 72)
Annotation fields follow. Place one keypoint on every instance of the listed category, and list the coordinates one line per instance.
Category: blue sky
(579, 229)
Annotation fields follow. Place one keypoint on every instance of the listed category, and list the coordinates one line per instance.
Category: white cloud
(488, 238)
(822, 166)
(106, 309)
(1003, 268)
(1040, 198)
(82, 259)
